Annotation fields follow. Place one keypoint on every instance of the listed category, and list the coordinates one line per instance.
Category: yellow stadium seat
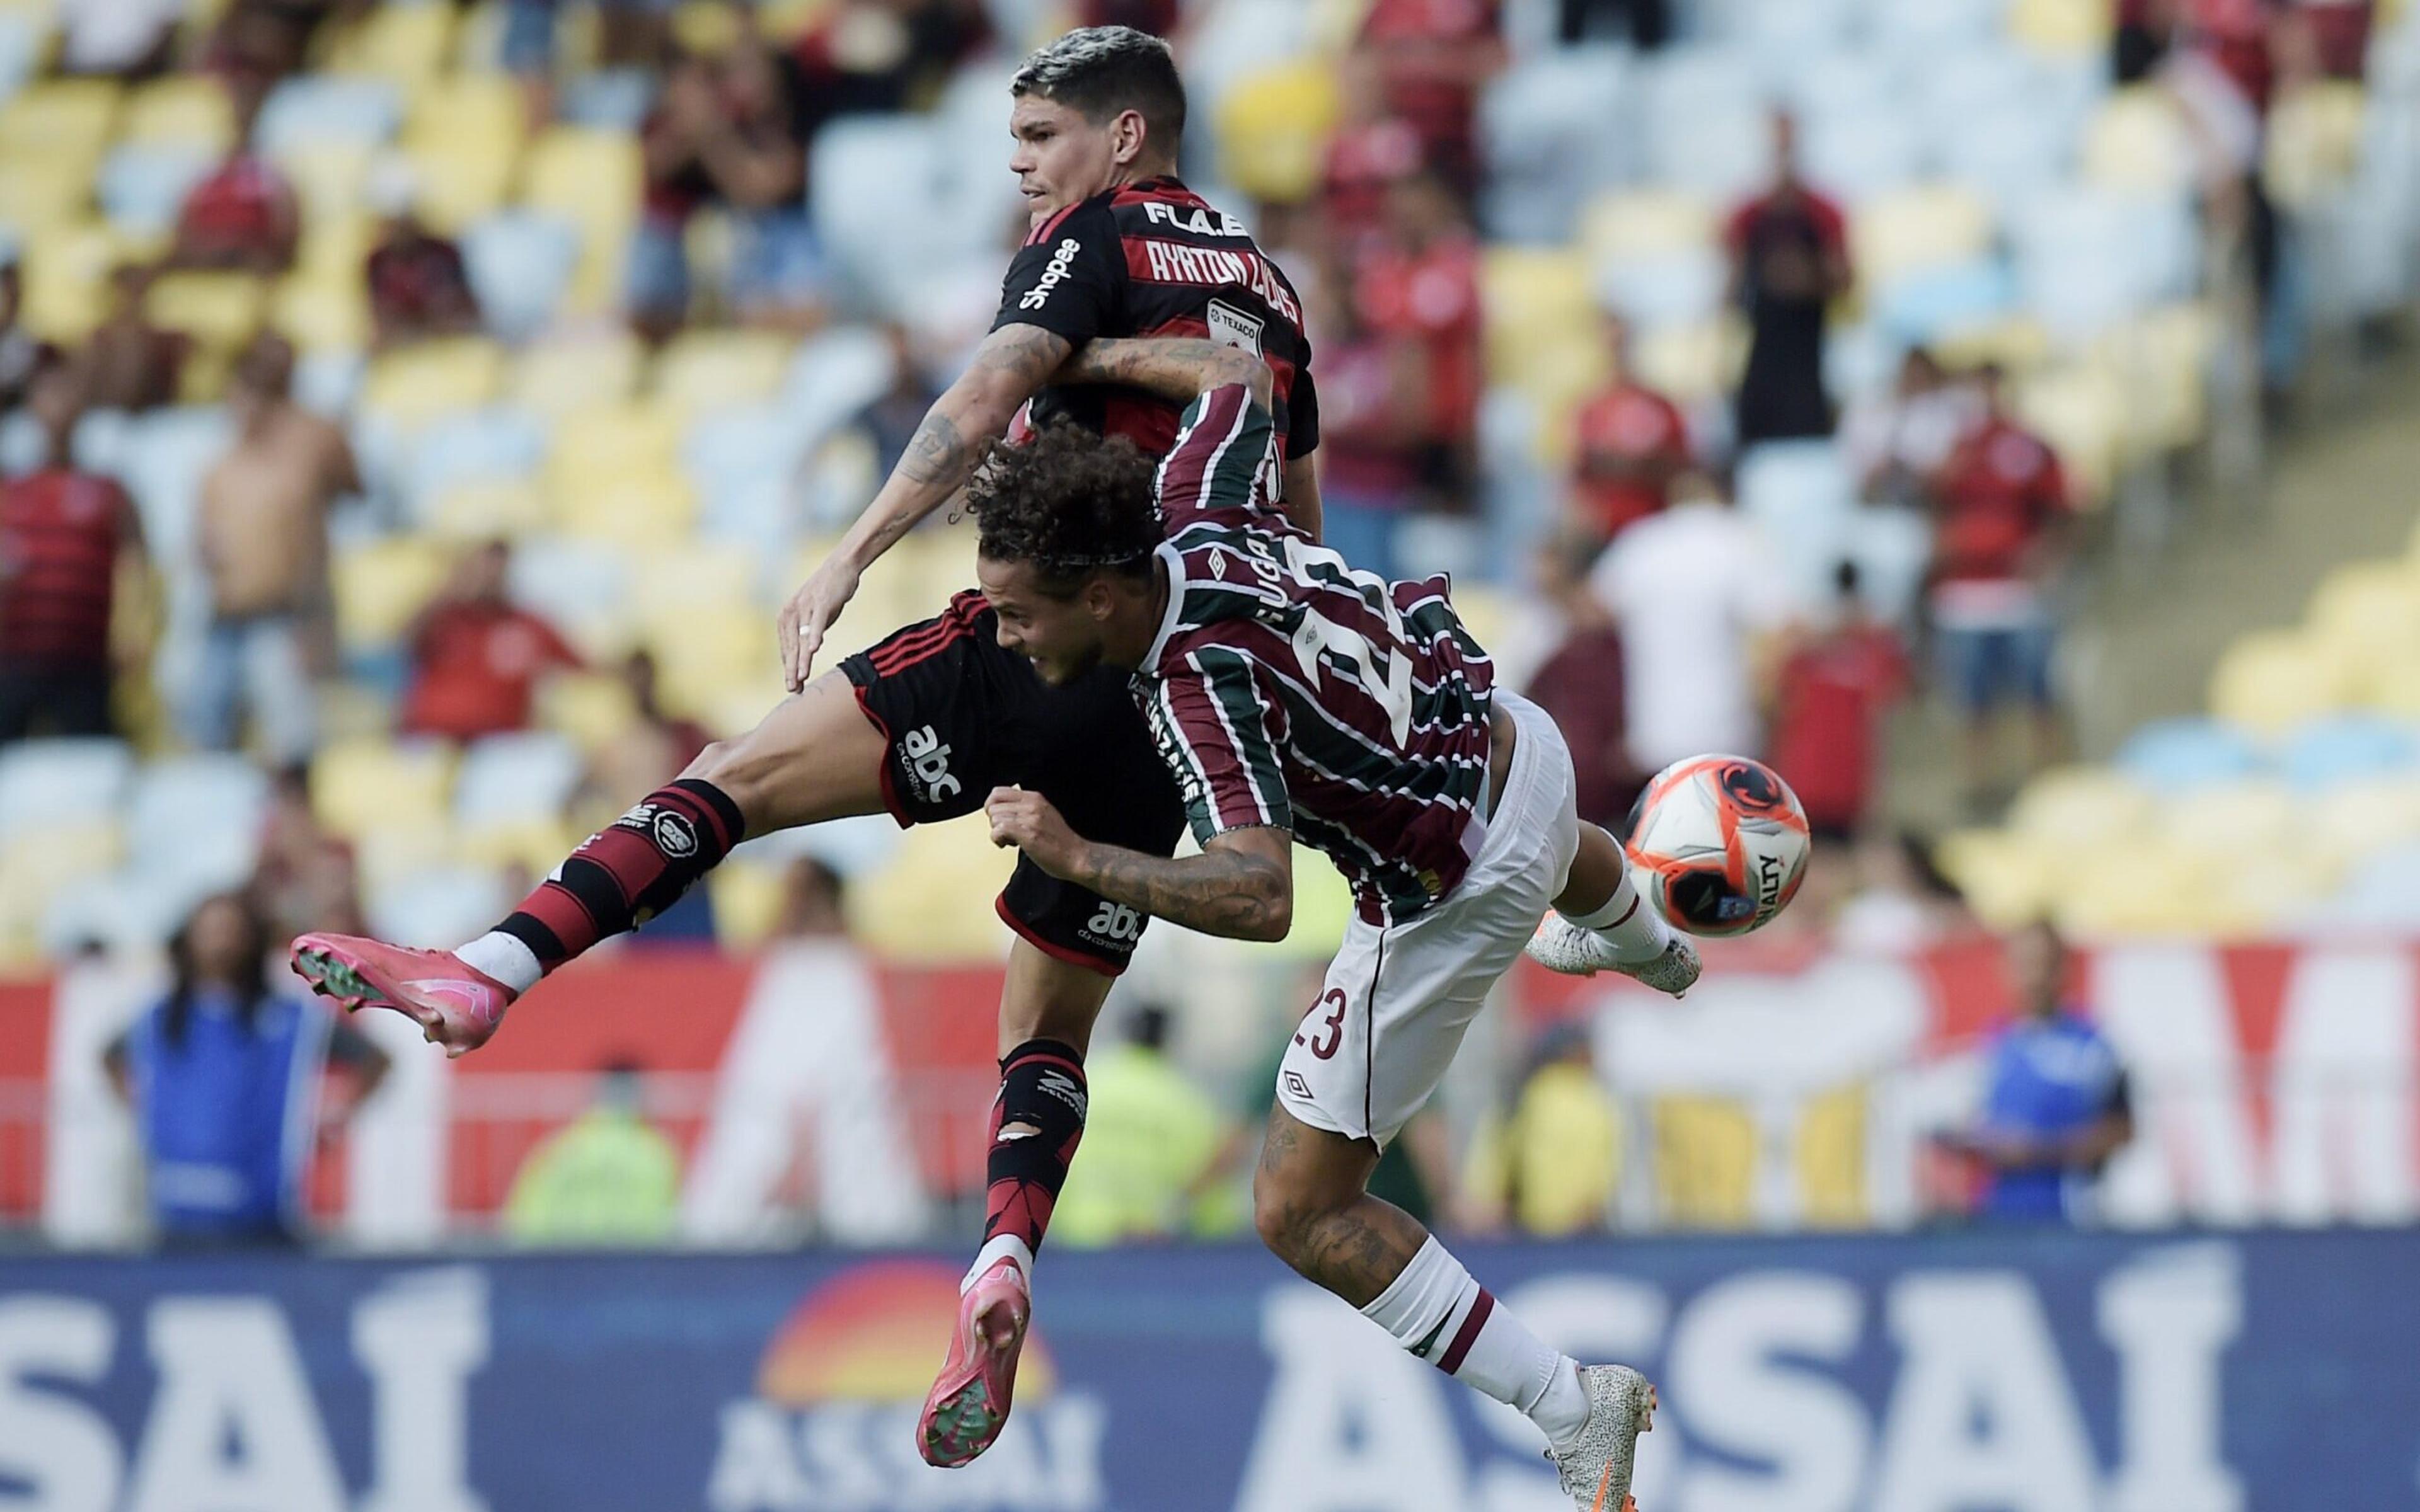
(64, 118)
(409, 387)
(482, 106)
(1645, 224)
(2273, 680)
(1707, 1150)
(699, 576)
(37, 865)
(560, 378)
(327, 178)
(2081, 806)
(1693, 363)
(40, 194)
(2144, 889)
(594, 709)
(2078, 410)
(649, 511)
(2160, 360)
(2061, 28)
(1916, 229)
(892, 910)
(717, 660)
(67, 272)
(2315, 142)
(320, 315)
(710, 370)
(2223, 820)
(220, 310)
(747, 902)
(2370, 615)
(534, 844)
(591, 176)
(706, 27)
(2352, 820)
(615, 441)
(2018, 343)
(2395, 688)
(1529, 292)
(379, 586)
(1273, 129)
(405, 44)
(336, 247)
(2139, 142)
(458, 179)
(186, 110)
(783, 22)
(484, 511)
(364, 787)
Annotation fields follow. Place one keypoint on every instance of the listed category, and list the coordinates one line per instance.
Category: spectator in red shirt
(2003, 513)
(1433, 56)
(418, 285)
(1581, 685)
(1372, 151)
(1790, 260)
(1834, 691)
(1422, 284)
(1630, 443)
(242, 217)
(64, 536)
(476, 657)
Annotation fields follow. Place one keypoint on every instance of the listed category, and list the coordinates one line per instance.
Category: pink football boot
(968, 1404)
(455, 1005)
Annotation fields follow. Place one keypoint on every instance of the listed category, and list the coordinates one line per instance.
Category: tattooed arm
(1240, 886)
(1176, 368)
(1010, 367)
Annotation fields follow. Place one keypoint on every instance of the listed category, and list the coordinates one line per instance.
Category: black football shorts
(961, 716)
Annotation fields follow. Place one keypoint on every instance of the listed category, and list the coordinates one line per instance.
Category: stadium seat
(1719, 145)
(2271, 681)
(609, 100)
(2139, 143)
(519, 264)
(492, 444)
(2380, 895)
(197, 818)
(590, 178)
(1861, 154)
(649, 511)
(310, 111)
(380, 584)
(511, 508)
(437, 908)
(728, 451)
(700, 373)
(1681, 289)
(1919, 229)
(2075, 806)
(591, 371)
(1926, 307)
(591, 709)
(2358, 819)
(2080, 409)
(64, 120)
(2370, 613)
(836, 373)
(610, 442)
(2086, 258)
(320, 317)
(1555, 130)
(405, 44)
(328, 177)
(460, 179)
(2060, 28)
(1801, 494)
(508, 777)
(21, 44)
(218, 310)
(166, 455)
(581, 586)
(381, 784)
(1647, 223)
(2178, 755)
(43, 196)
(474, 105)
(45, 783)
(100, 440)
(2217, 820)
(412, 386)
(1924, 25)
(37, 865)
(188, 111)
(890, 911)
(864, 168)
(1273, 126)
(2328, 752)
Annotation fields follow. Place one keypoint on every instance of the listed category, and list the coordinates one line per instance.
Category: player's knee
(1285, 1211)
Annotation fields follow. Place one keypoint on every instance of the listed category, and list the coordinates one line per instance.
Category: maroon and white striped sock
(1438, 1312)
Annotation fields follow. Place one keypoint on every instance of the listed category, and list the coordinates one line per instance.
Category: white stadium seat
(52, 783)
(514, 778)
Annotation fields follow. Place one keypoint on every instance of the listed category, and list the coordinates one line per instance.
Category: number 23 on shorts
(1325, 1036)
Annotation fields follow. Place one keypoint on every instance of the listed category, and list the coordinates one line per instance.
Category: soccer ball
(1719, 844)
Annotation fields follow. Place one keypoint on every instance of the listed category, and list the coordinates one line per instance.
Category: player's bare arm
(1009, 368)
(1240, 886)
(1176, 368)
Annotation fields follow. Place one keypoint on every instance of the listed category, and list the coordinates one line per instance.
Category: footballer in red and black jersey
(1154, 258)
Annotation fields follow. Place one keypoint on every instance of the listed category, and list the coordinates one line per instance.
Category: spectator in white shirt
(1697, 596)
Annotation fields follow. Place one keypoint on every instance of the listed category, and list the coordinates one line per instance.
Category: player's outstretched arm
(1176, 368)
(1009, 368)
(1241, 884)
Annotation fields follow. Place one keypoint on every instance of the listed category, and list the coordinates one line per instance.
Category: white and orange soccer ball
(1719, 844)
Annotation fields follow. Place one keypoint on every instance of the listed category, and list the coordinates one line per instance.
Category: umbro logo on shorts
(1296, 1087)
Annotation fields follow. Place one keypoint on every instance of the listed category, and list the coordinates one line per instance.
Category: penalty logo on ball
(1720, 845)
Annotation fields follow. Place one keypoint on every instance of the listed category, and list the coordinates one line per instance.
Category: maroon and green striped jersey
(1285, 688)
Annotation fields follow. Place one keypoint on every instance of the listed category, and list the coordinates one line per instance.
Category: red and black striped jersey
(1285, 688)
(1155, 259)
(60, 533)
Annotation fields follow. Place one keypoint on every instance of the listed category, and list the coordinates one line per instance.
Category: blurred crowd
(1655, 614)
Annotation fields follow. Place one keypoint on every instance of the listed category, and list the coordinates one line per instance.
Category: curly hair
(1070, 503)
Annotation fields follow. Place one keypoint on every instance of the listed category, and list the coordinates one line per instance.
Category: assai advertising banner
(1975, 1373)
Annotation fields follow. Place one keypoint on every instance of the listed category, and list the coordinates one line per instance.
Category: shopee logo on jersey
(1052, 276)
(928, 764)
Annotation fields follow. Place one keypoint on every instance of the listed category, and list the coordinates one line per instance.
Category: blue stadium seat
(2348, 749)
(1919, 310)
(519, 263)
(312, 109)
(609, 100)
(143, 186)
(492, 444)
(2177, 755)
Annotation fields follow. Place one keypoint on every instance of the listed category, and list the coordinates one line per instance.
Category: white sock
(1437, 1311)
(1628, 923)
(506, 959)
(998, 1246)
